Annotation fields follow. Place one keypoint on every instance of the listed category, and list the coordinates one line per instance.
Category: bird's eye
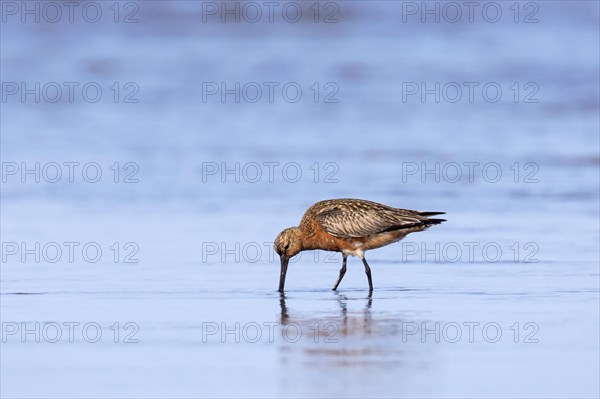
(287, 246)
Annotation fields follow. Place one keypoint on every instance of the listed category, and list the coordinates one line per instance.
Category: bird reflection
(346, 323)
(284, 311)
(356, 338)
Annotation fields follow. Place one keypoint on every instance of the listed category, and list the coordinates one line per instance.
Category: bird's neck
(304, 238)
(310, 239)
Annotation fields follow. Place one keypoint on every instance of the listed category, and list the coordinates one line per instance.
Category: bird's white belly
(356, 251)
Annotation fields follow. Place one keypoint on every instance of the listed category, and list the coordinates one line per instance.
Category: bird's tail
(431, 213)
(432, 221)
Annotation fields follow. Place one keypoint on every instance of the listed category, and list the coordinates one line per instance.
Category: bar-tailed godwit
(349, 226)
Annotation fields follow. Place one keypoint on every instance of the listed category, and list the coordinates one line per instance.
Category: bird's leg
(342, 272)
(368, 272)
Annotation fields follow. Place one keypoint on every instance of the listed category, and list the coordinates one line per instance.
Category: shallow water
(502, 300)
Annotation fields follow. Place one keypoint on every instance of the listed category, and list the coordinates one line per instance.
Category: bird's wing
(356, 219)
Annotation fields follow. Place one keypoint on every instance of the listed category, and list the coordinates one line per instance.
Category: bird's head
(287, 244)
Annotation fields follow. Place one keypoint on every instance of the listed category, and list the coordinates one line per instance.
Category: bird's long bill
(284, 265)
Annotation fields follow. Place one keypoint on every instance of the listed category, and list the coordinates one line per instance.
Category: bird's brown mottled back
(353, 218)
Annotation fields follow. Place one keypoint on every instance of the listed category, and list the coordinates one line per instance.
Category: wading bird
(349, 226)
